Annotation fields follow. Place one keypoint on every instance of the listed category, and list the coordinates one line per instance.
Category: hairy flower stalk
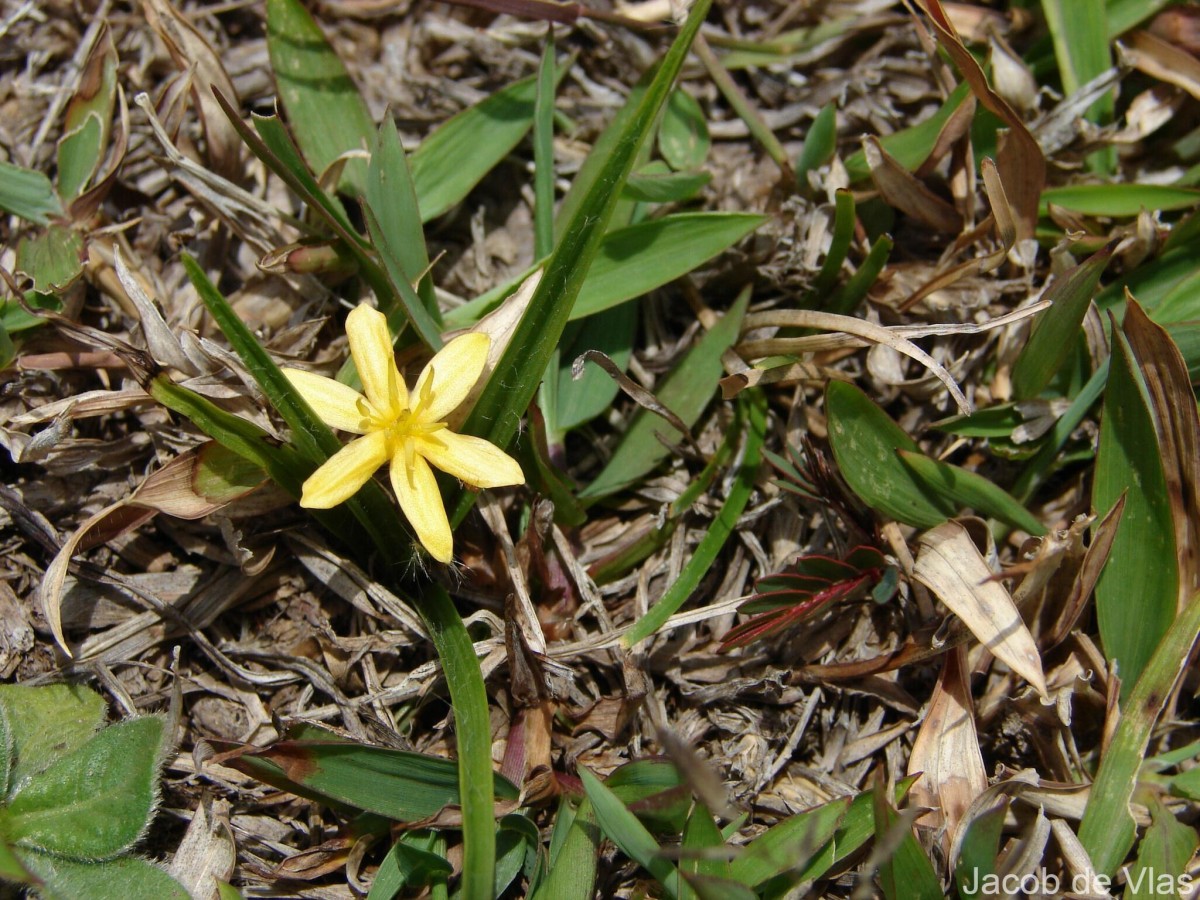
(406, 429)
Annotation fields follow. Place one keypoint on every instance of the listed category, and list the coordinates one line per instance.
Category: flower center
(409, 425)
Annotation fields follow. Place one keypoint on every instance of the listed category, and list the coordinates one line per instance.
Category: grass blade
(1079, 29)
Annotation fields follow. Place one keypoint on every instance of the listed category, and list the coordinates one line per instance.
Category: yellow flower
(407, 429)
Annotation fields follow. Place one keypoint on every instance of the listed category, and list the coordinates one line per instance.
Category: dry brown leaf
(946, 750)
(192, 53)
(1019, 158)
(902, 190)
(951, 566)
(207, 853)
(1160, 59)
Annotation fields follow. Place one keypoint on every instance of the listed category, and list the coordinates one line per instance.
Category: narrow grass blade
(687, 391)
(820, 143)
(864, 441)
(543, 152)
(1055, 329)
(515, 380)
(839, 246)
(1164, 853)
(790, 844)
(699, 834)
(623, 829)
(456, 156)
(392, 200)
(328, 115)
(965, 489)
(1107, 830)
(852, 293)
(28, 193)
(718, 532)
(638, 258)
(1118, 200)
(1079, 29)
(1137, 594)
(906, 873)
(911, 146)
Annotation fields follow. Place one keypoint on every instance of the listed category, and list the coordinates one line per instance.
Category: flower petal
(419, 497)
(338, 405)
(345, 472)
(371, 347)
(451, 374)
(470, 459)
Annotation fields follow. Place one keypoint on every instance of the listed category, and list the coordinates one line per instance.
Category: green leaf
(28, 193)
(1163, 855)
(843, 233)
(580, 400)
(964, 488)
(864, 441)
(390, 209)
(1055, 329)
(87, 123)
(515, 838)
(456, 156)
(683, 135)
(1137, 593)
(907, 874)
(1118, 200)
(686, 392)
(94, 802)
(980, 846)
(572, 872)
(623, 829)
(820, 143)
(46, 723)
(128, 878)
(638, 258)
(790, 845)
(396, 784)
(407, 864)
(514, 381)
(52, 258)
(699, 834)
(6, 753)
(1079, 29)
(328, 115)
(543, 152)
(656, 183)
(852, 293)
(710, 546)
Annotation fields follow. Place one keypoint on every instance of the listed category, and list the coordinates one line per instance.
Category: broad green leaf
(1181, 303)
(638, 258)
(864, 441)
(623, 829)
(699, 834)
(1118, 200)
(1055, 329)
(710, 546)
(980, 846)
(456, 156)
(6, 753)
(28, 194)
(329, 117)
(683, 135)
(407, 864)
(514, 381)
(1079, 29)
(52, 258)
(656, 183)
(94, 802)
(686, 392)
(790, 845)
(911, 146)
(128, 878)
(515, 838)
(1137, 593)
(1125, 14)
(87, 122)
(572, 871)
(47, 722)
(396, 784)
(11, 867)
(907, 874)
(963, 488)
(1107, 830)
(1163, 855)
(611, 332)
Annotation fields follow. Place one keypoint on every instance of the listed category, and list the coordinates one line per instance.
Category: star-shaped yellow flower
(407, 429)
